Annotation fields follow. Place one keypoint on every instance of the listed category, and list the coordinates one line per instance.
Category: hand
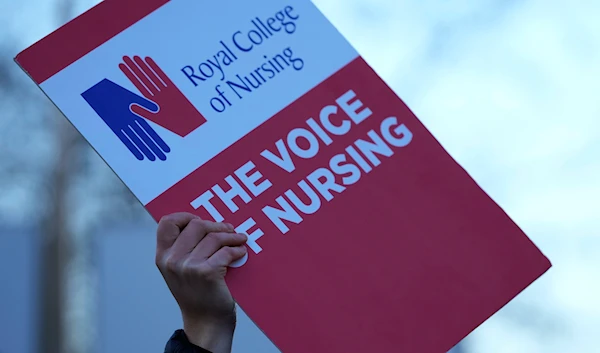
(193, 255)
(112, 103)
(176, 112)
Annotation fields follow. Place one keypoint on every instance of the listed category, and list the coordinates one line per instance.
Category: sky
(509, 89)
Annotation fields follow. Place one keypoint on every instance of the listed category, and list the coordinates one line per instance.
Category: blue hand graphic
(113, 104)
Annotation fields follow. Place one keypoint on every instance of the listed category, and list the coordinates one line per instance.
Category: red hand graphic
(176, 112)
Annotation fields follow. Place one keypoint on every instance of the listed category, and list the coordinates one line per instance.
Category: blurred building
(19, 268)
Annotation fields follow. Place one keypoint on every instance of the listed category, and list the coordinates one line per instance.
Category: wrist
(215, 336)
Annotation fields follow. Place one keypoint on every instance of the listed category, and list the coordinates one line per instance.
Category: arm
(193, 256)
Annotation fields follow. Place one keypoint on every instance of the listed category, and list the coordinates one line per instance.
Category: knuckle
(214, 237)
(226, 227)
(200, 223)
(158, 260)
(187, 269)
(171, 264)
(230, 252)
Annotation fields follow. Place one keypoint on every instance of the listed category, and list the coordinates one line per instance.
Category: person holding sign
(192, 255)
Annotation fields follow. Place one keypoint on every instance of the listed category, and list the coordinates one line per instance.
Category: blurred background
(509, 87)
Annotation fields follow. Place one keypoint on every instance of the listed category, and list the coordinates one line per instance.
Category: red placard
(365, 235)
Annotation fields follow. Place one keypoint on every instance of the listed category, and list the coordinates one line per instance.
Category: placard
(364, 234)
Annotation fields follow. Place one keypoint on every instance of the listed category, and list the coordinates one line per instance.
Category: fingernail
(244, 236)
(229, 226)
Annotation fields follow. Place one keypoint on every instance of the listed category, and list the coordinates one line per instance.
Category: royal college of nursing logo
(126, 113)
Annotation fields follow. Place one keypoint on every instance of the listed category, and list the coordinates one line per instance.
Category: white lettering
(319, 131)
(315, 200)
(341, 169)
(284, 160)
(359, 159)
(339, 130)
(235, 191)
(277, 216)
(250, 180)
(313, 143)
(402, 130)
(323, 187)
(352, 109)
(253, 236)
(204, 201)
(377, 146)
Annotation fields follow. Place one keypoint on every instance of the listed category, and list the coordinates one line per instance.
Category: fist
(193, 256)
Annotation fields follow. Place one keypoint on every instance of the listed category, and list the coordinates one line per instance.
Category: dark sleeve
(178, 343)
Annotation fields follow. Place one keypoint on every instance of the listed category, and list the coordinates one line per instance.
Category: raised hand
(193, 255)
(176, 112)
(112, 103)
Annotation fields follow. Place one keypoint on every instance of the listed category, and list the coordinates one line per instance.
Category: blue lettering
(242, 86)
(238, 45)
(219, 106)
(297, 63)
(289, 9)
(258, 41)
(212, 72)
(289, 26)
(191, 75)
(270, 22)
(217, 64)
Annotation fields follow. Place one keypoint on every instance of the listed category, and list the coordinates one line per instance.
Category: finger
(150, 131)
(149, 72)
(193, 234)
(166, 80)
(135, 80)
(136, 141)
(212, 242)
(148, 141)
(169, 228)
(127, 142)
(226, 256)
(142, 76)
